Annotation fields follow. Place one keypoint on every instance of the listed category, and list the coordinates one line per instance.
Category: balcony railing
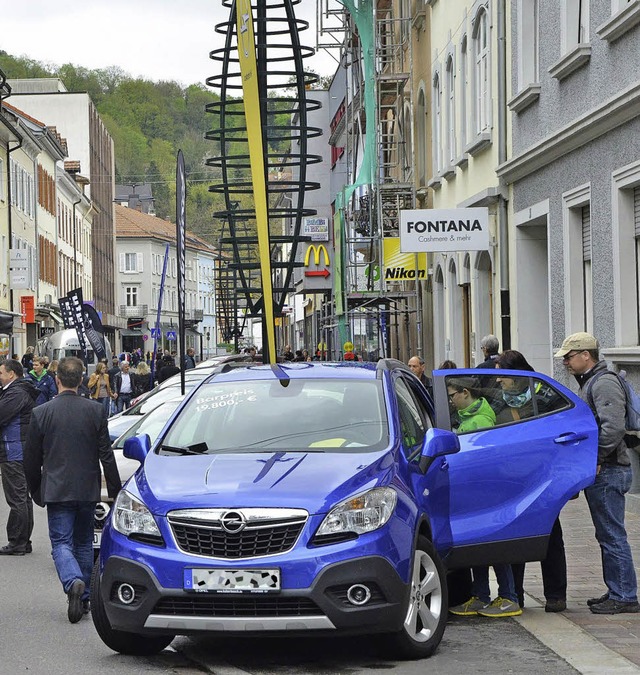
(133, 311)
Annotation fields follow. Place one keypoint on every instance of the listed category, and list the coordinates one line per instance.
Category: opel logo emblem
(233, 522)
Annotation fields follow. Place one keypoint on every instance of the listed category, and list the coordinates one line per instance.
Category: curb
(633, 503)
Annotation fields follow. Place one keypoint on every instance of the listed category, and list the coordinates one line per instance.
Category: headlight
(132, 518)
(364, 513)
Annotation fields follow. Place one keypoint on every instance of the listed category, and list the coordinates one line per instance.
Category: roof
(136, 225)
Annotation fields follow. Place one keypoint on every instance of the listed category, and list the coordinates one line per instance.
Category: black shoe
(555, 605)
(615, 607)
(74, 611)
(86, 606)
(10, 550)
(28, 548)
(597, 601)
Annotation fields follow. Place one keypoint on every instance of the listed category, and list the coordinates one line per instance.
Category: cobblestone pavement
(621, 632)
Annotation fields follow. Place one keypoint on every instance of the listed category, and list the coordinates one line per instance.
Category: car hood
(313, 481)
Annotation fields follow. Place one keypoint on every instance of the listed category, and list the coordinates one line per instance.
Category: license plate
(97, 536)
(204, 580)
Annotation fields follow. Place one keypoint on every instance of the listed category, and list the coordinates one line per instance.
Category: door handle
(571, 437)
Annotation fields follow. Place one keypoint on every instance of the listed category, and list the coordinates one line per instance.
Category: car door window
(412, 422)
(487, 401)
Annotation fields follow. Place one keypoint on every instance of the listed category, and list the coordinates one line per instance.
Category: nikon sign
(444, 230)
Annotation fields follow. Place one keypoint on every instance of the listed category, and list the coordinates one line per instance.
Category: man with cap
(580, 354)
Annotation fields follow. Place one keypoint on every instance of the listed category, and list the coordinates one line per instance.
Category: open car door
(528, 445)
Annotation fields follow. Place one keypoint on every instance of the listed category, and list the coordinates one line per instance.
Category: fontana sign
(444, 230)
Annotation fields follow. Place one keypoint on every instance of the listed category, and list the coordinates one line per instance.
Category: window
(1, 180)
(488, 401)
(528, 41)
(412, 423)
(437, 125)
(482, 72)
(451, 112)
(131, 293)
(464, 88)
(575, 23)
(577, 259)
(421, 132)
(131, 262)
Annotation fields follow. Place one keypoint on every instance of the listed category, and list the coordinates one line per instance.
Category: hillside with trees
(149, 122)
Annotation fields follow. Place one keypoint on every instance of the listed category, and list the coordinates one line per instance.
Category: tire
(427, 606)
(131, 644)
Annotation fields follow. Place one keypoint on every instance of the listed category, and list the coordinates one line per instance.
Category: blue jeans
(123, 401)
(71, 535)
(606, 503)
(106, 404)
(504, 575)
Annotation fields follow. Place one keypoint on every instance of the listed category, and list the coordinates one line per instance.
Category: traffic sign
(171, 335)
(145, 337)
(156, 333)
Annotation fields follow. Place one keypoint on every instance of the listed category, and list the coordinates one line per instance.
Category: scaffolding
(381, 313)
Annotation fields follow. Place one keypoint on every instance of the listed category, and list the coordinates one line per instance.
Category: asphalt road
(36, 638)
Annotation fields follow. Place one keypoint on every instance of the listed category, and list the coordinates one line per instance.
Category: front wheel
(427, 605)
(125, 643)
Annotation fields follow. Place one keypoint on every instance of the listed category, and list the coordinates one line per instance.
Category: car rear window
(268, 415)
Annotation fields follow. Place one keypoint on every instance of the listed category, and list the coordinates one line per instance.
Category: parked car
(332, 498)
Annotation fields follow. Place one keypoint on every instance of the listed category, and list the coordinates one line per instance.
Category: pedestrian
(18, 400)
(580, 354)
(65, 477)
(448, 365)
(490, 346)
(416, 363)
(475, 413)
(518, 406)
(27, 360)
(168, 368)
(190, 359)
(100, 387)
(42, 380)
(287, 354)
(123, 387)
(52, 369)
(142, 379)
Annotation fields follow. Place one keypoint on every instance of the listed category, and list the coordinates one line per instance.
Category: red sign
(28, 308)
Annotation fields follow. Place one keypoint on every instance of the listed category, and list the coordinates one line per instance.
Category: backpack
(632, 411)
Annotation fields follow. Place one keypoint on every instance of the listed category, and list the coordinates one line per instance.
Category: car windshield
(310, 415)
(150, 424)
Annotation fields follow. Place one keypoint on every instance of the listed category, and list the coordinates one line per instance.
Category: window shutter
(122, 262)
(636, 210)
(139, 262)
(586, 233)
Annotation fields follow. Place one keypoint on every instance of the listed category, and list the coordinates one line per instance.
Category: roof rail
(390, 364)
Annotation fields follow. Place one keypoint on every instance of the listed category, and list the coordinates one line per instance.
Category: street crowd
(54, 439)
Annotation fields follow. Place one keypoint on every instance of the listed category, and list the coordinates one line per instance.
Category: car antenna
(281, 374)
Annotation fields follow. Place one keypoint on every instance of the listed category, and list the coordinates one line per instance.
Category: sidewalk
(582, 638)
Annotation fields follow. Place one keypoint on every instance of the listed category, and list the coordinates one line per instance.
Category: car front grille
(263, 533)
(236, 605)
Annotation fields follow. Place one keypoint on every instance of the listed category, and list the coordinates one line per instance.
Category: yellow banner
(249, 70)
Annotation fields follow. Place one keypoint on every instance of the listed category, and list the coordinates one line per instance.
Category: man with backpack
(606, 394)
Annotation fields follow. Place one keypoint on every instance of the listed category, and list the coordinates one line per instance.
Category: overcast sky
(155, 39)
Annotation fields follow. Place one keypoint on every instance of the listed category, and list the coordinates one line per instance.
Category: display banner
(181, 229)
(66, 312)
(94, 332)
(249, 71)
(158, 330)
(444, 230)
(77, 314)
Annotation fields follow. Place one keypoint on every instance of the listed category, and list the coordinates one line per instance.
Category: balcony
(133, 311)
(195, 315)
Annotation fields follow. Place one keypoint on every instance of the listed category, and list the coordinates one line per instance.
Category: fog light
(126, 594)
(358, 594)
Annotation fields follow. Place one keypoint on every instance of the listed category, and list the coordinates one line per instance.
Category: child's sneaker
(469, 608)
(501, 607)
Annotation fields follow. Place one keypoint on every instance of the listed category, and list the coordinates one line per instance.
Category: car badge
(233, 522)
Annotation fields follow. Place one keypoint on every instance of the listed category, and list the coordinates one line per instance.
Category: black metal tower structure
(283, 92)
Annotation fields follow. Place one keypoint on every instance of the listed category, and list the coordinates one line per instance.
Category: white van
(65, 343)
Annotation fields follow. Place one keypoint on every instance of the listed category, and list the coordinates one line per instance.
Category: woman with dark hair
(447, 365)
(554, 566)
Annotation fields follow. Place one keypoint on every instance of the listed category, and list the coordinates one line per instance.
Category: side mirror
(137, 447)
(437, 443)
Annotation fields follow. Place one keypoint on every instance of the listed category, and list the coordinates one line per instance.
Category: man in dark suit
(67, 441)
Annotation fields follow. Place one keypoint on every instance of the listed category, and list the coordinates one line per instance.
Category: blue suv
(333, 497)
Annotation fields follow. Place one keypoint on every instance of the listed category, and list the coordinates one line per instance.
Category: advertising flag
(94, 331)
(77, 317)
(181, 230)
